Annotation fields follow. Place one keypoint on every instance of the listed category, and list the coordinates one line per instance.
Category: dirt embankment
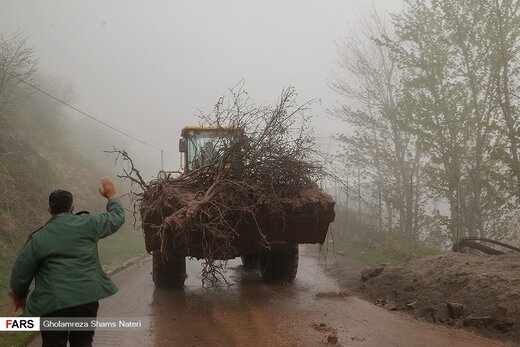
(480, 293)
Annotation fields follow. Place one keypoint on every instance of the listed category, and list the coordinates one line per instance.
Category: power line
(83, 112)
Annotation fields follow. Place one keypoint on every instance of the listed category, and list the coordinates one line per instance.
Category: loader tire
(249, 261)
(280, 266)
(168, 271)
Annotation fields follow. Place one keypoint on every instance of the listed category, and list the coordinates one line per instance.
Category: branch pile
(261, 172)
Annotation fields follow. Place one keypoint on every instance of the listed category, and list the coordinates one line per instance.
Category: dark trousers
(81, 338)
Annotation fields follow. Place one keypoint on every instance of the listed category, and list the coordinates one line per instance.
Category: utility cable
(83, 112)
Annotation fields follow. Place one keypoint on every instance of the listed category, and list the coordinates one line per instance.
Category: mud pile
(477, 292)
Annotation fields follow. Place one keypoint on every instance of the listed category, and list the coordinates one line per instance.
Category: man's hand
(108, 190)
(17, 302)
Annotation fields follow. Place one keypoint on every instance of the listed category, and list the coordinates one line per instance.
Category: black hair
(60, 201)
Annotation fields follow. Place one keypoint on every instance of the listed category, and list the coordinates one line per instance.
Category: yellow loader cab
(199, 145)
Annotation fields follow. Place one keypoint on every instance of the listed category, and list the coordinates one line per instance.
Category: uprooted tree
(258, 183)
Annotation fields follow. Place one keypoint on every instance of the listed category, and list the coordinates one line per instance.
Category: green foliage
(16, 339)
(436, 102)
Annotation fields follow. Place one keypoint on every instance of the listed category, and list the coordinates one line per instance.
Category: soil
(206, 225)
(476, 292)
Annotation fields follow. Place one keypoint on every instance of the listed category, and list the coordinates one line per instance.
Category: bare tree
(17, 64)
(380, 145)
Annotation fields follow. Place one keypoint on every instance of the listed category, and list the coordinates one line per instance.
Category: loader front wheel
(280, 266)
(168, 270)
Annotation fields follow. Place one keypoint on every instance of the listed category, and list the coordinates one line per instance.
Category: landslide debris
(478, 292)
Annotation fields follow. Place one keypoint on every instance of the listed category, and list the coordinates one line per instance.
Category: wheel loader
(277, 261)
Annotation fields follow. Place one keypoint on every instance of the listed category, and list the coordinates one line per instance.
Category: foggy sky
(147, 67)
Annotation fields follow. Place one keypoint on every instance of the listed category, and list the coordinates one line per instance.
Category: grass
(389, 251)
(17, 339)
(8, 339)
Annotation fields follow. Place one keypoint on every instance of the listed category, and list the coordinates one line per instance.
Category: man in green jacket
(62, 257)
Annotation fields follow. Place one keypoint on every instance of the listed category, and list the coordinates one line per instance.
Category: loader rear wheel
(249, 261)
(280, 266)
(168, 270)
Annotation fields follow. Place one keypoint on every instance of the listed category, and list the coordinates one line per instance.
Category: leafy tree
(436, 103)
(504, 32)
(445, 48)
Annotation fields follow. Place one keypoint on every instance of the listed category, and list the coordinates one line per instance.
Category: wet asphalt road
(252, 313)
